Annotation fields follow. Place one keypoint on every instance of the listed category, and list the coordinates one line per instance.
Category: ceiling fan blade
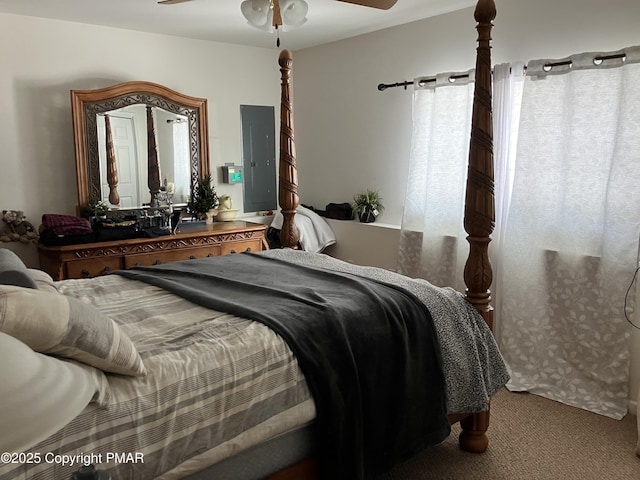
(381, 4)
(171, 2)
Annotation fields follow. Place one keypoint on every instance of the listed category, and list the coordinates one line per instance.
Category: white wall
(42, 60)
(354, 243)
(350, 136)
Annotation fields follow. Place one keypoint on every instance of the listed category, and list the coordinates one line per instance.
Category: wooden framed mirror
(123, 127)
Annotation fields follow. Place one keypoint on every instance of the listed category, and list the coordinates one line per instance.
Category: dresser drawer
(93, 267)
(167, 256)
(99, 258)
(241, 246)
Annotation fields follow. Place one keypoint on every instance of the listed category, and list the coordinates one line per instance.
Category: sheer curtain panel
(432, 237)
(508, 81)
(570, 246)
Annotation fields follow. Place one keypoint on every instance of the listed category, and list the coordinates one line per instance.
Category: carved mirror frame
(87, 104)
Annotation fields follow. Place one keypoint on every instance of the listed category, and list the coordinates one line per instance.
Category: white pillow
(40, 394)
(53, 323)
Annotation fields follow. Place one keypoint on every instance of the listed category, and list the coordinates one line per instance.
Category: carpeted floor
(532, 438)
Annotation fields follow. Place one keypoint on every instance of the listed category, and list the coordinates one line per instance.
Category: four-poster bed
(264, 401)
(479, 215)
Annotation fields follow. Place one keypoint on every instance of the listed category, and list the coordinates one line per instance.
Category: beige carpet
(532, 438)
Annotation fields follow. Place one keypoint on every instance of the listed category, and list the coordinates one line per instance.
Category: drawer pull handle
(232, 251)
(248, 249)
(192, 257)
(107, 269)
(85, 273)
(210, 255)
(157, 262)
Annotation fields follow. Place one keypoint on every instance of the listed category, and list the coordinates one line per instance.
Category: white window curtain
(432, 238)
(567, 214)
(570, 245)
(508, 82)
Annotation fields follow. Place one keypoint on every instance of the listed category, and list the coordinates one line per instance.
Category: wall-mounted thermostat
(231, 173)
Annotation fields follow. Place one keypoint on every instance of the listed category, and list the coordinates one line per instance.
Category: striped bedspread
(218, 384)
(214, 381)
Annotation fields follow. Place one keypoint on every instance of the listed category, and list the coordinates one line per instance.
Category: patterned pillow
(56, 324)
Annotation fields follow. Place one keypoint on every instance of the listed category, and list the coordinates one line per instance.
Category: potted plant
(203, 198)
(96, 209)
(368, 205)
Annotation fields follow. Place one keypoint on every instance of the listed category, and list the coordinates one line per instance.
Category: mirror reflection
(129, 133)
(135, 142)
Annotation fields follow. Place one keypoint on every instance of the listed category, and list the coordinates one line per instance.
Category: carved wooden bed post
(112, 164)
(153, 172)
(288, 174)
(480, 205)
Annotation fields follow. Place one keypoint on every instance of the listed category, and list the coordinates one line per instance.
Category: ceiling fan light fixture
(257, 13)
(294, 12)
(260, 13)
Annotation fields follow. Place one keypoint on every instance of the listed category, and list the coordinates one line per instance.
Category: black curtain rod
(407, 83)
(596, 61)
(547, 66)
(384, 86)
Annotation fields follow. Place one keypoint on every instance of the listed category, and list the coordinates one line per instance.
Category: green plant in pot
(95, 209)
(367, 206)
(203, 198)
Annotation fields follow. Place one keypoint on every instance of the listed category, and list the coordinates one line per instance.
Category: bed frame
(479, 216)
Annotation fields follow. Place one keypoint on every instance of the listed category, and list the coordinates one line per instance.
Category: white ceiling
(221, 20)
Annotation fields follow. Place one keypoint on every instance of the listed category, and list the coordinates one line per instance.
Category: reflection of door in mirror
(123, 134)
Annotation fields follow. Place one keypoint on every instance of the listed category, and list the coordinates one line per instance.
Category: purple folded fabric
(65, 224)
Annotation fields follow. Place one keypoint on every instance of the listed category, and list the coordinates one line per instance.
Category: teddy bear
(16, 228)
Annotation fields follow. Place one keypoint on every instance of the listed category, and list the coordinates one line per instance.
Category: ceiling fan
(381, 4)
(272, 14)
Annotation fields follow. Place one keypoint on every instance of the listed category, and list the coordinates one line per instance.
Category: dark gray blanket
(369, 351)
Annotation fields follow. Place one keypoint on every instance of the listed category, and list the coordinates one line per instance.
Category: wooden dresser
(189, 242)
